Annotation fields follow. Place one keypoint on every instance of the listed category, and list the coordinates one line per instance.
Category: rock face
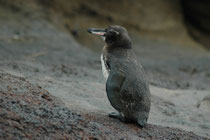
(162, 20)
(197, 15)
(52, 87)
(175, 21)
(205, 104)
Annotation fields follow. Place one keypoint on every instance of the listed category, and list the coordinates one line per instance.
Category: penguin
(126, 85)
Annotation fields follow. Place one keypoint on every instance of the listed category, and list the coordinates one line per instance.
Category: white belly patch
(104, 68)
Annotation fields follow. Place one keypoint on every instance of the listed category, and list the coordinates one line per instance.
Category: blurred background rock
(184, 22)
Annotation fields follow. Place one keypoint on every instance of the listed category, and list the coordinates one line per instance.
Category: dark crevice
(197, 19)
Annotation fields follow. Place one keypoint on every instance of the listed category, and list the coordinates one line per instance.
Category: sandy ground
(53, 71)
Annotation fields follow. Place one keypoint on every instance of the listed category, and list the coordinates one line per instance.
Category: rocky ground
(52, 86)
(29, 112)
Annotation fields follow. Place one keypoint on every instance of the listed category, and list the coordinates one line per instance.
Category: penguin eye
(112, 32)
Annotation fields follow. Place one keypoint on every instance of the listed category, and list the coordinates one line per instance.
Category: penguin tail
(141, 122)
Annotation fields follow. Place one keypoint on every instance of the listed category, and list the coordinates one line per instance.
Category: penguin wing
(113, 86)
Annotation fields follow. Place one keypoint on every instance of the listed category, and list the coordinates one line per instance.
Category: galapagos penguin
(126, 85)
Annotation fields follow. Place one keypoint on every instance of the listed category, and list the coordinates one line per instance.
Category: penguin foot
(117, 115)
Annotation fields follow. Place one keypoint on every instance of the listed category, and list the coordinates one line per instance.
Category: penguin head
(114, 36)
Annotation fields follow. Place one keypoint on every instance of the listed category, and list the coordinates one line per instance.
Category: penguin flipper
(113, 86)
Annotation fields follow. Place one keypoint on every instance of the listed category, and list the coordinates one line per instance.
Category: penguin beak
(97, 31)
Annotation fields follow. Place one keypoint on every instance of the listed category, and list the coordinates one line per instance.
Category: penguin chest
(105, 69)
